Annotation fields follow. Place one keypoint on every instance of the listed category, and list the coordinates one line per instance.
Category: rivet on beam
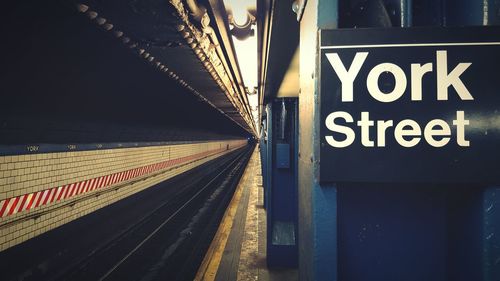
(92, 15)
(107, 27)
(118, 34)
(100, 21)
(82, 8)
(180, 27)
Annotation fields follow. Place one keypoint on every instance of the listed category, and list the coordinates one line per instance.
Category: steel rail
(159, 227)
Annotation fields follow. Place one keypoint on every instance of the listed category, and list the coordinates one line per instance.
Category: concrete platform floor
(238, 250)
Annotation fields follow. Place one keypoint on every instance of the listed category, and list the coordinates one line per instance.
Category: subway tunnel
(349, 140)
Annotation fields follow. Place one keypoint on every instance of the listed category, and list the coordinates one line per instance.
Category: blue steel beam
(351, 231)
(491, 203)
(269, 155)
(317, 204)
(281, 189)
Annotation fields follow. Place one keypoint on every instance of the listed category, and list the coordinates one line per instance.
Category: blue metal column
(317, 204)
(491, 237)
(491, 203)
(382, 231)
(269, 155)
(263, 155)
(487, 12)
(282, 192)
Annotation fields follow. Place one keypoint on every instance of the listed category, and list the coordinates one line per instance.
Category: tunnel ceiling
(67, 76)
(278, 37)
(166, 35)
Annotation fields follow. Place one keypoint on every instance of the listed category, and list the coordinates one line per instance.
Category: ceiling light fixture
(241, 15)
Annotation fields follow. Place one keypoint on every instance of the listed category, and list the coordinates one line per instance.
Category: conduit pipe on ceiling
(199, 13)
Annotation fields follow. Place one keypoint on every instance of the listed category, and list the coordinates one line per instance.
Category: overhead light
(240, 17)
(242, 33)
(238, 10)
(245, 45)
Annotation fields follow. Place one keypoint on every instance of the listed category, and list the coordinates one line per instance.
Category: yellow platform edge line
(210, 264)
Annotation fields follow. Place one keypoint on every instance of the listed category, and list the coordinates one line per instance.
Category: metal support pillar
(269, 155)
(388, 231)
(491, 203)
(281, 193)
(263, 155)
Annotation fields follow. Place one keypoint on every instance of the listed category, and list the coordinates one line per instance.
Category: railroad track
(166, 243)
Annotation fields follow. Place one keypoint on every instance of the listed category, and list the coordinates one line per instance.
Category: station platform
(238, 250)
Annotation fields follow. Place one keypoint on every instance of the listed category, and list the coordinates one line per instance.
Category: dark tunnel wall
(64, 79)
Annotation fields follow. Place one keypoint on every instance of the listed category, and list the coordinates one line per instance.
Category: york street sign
(410, 105)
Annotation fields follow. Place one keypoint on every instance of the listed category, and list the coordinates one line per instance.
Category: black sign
(410, 105)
